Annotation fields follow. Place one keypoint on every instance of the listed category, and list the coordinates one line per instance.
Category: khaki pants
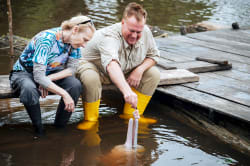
(92, 80)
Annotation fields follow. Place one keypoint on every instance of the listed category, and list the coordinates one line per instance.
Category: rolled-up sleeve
(109, 48)
(39, 75)
(152, 51)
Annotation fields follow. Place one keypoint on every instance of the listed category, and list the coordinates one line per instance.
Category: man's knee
(153, 75)
(90, 78)
(149, 81)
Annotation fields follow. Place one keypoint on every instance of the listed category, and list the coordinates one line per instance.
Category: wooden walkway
(226, 92)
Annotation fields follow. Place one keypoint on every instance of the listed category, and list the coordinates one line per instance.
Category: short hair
(83, 22)
(135, 9)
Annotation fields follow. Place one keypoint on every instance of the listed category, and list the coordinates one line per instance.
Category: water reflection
(167, 141)
(13, 112)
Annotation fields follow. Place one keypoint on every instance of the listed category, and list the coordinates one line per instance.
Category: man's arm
(136, 75)
(116, 75)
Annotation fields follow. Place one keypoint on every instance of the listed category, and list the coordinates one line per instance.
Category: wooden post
(10, 27)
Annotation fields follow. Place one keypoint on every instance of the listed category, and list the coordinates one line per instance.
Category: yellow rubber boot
(142, 103)
(91, 113)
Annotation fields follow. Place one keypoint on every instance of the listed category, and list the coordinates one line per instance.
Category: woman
(48, 64)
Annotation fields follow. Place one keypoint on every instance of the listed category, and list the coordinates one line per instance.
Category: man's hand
(69, 103)
(44, 92)
(134, 78)
(131, 98)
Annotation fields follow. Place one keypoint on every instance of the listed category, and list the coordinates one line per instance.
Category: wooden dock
(219, 88)
(226, 92)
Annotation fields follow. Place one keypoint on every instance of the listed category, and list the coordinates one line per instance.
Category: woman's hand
(69, 103)
(44, 92)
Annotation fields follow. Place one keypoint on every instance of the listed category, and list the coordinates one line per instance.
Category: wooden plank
(212, 45)
(164, 60)
(174, 57)
(197, 66)
(5, 90)
(214, 61)
(240, 63)
(220, 88)
(235, 74)
(230, 35)
(169, 77)
(165, 64)
(208, 101)
(227, 81)
(230, 44)
(191, 48)
(241, 67)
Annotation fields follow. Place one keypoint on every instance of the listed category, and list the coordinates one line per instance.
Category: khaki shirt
(108, 44)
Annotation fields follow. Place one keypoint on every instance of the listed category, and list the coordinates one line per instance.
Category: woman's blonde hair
(83, 22)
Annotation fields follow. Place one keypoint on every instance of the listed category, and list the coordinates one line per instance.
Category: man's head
(133, 21)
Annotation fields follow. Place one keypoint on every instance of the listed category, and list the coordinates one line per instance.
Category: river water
(30, 17)
(167, 142)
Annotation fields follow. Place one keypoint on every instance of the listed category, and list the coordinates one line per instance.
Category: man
(125, 54)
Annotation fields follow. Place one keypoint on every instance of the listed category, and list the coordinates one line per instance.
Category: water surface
(167, 141)
(30, 17)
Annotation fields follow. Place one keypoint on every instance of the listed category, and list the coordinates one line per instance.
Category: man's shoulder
(147, 30)
(112, 30)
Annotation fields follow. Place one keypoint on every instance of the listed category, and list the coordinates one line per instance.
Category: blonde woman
(48, 64)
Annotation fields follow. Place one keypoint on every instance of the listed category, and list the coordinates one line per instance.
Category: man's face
(132, 29)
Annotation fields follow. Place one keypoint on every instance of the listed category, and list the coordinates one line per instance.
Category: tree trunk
(10, 27)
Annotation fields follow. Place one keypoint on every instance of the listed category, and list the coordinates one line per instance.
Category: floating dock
(219, 88)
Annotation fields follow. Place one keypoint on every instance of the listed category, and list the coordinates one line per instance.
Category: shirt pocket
(137, 56)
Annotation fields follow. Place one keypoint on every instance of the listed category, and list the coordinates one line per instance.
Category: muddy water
(167, 142)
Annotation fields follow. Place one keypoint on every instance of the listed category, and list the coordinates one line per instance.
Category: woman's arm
(60, 75)
(47, 85)
(69, 71)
